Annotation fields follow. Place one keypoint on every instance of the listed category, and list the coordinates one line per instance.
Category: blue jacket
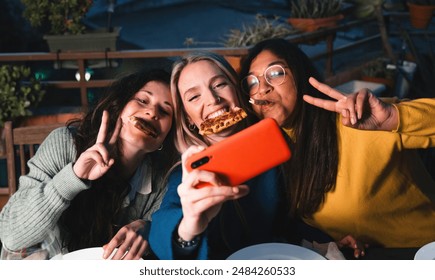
(262, 220)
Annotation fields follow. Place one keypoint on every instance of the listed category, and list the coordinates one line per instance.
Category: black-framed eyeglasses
(274, 75)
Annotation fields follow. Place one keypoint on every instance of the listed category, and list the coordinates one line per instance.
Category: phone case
(245, 154)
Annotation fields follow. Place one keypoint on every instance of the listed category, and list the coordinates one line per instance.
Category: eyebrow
(214, 78)
(279, 62)
(211, 80)
(194, 88)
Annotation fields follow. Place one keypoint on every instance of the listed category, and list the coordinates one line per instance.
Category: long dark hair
(90, 220)
(312, 170)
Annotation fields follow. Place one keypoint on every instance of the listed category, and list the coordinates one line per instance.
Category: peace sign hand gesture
(95, 161)
(361, 110)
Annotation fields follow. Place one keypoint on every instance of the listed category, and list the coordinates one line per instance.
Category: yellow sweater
(378, 196)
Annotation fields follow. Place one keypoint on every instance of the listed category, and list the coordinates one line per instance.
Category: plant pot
(420, 15)
(93, 41)
(313, 24)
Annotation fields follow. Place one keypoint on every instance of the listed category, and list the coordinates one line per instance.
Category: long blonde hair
(186, 137)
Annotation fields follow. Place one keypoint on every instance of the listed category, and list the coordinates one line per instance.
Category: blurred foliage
(19, 92)
(63, 16)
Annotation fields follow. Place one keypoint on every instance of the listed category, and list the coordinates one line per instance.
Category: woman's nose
(213, 99)
(152, 112)
(264, 87)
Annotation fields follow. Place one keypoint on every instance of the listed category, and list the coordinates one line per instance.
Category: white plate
(84, 254)
(427, 252)
(275, 251)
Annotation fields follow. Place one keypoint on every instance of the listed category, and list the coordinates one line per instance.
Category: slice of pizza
(215, 125)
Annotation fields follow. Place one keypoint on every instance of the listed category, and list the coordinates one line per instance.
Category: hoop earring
(160, 148)
(191, 126)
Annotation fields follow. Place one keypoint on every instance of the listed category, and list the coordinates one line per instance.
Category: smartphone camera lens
(200, 162)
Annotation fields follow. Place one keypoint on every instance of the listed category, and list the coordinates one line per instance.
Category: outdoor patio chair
(21, 145)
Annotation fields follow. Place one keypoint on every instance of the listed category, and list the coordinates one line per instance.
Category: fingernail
(352, 120)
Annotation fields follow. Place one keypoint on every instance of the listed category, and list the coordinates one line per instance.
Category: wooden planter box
(313, 24)
(96, 40)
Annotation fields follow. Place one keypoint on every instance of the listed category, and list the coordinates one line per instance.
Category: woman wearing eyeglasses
(354, 167)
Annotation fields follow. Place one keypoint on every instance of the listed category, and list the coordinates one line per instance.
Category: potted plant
(20, 91)
(62, 17)
(310, 15)
(420, 12)
(262, 29)
(62, 21)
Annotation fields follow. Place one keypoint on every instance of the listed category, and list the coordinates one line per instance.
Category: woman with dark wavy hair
(97, 181)
(354, 167)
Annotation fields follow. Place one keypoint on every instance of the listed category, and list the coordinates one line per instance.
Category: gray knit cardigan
(32, 213)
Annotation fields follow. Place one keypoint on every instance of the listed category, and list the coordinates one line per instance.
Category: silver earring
(218, 99)
(161, 148)
(191, 126)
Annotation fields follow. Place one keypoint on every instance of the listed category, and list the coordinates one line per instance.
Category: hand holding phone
(245, 154)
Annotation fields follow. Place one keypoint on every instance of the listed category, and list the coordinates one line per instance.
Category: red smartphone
(245, 154)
